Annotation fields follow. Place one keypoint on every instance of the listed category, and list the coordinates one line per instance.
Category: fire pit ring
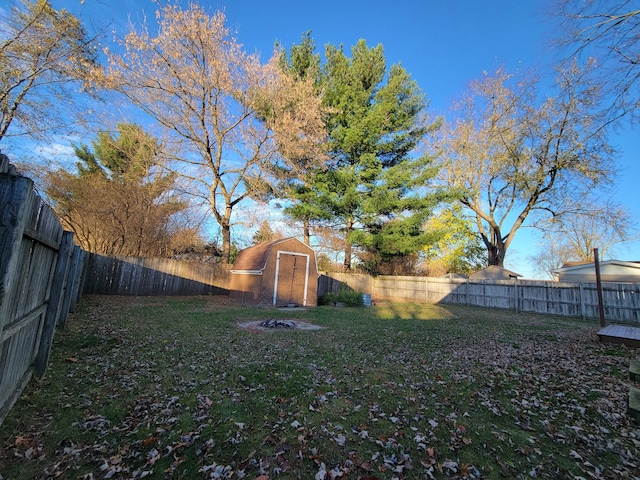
(277, 324)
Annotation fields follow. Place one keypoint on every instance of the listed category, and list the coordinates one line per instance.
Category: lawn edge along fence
(546, 297)
(43, 273)
(40, 281)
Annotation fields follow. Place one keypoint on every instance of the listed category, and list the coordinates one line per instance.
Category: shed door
(292, 272)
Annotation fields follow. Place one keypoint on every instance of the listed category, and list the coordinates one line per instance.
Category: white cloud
(56, 150)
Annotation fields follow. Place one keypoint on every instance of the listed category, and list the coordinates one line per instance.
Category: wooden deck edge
(634, 370)
(630, 342)
(634, 403)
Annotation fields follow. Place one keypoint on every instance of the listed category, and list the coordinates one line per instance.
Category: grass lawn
(172, 388)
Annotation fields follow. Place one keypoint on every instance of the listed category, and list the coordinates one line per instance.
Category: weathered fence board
(25, 272)
(5, 166)
(154, 276)
(74, 278)
(56, 299)
(30, 240)
(621, 301)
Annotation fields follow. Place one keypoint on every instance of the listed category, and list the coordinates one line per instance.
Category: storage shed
(279, 273)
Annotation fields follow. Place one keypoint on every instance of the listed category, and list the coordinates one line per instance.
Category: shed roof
(494, 271)
(254, 259)
(455, 275)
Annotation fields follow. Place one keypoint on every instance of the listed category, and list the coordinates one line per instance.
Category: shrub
(350, 298)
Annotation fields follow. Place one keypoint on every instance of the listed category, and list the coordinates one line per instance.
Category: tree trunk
(347, 256)
(225, 228)
(347, 246)
(306, 231)
(496, 251)
(496, 248)
(496, 256)
(226, 243)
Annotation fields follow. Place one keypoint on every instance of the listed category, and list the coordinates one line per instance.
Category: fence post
(78, 287)
(426, 289)
(515, 295)
(71, 286)
(55, 302)
(468, 288)
(582, 304)
(596, 264)
(374, 287)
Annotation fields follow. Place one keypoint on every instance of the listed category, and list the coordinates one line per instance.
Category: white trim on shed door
(306, 275)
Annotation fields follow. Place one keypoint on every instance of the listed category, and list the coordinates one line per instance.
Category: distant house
(493, 272)
(610, 271)
(279, 273)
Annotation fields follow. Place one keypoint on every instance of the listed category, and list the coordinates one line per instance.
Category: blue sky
(442, 44)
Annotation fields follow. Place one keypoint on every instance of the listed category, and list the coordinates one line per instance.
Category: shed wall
(244, 288)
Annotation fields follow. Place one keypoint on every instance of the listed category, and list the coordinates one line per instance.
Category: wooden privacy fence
(112, 275)
(40, 270)
(621, 300)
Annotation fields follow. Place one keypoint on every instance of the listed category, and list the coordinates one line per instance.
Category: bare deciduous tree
(45, 55)
(607, 31)
(514, 157)
(229, 112)
(574, 235)
(603, 227)
(552, 254)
